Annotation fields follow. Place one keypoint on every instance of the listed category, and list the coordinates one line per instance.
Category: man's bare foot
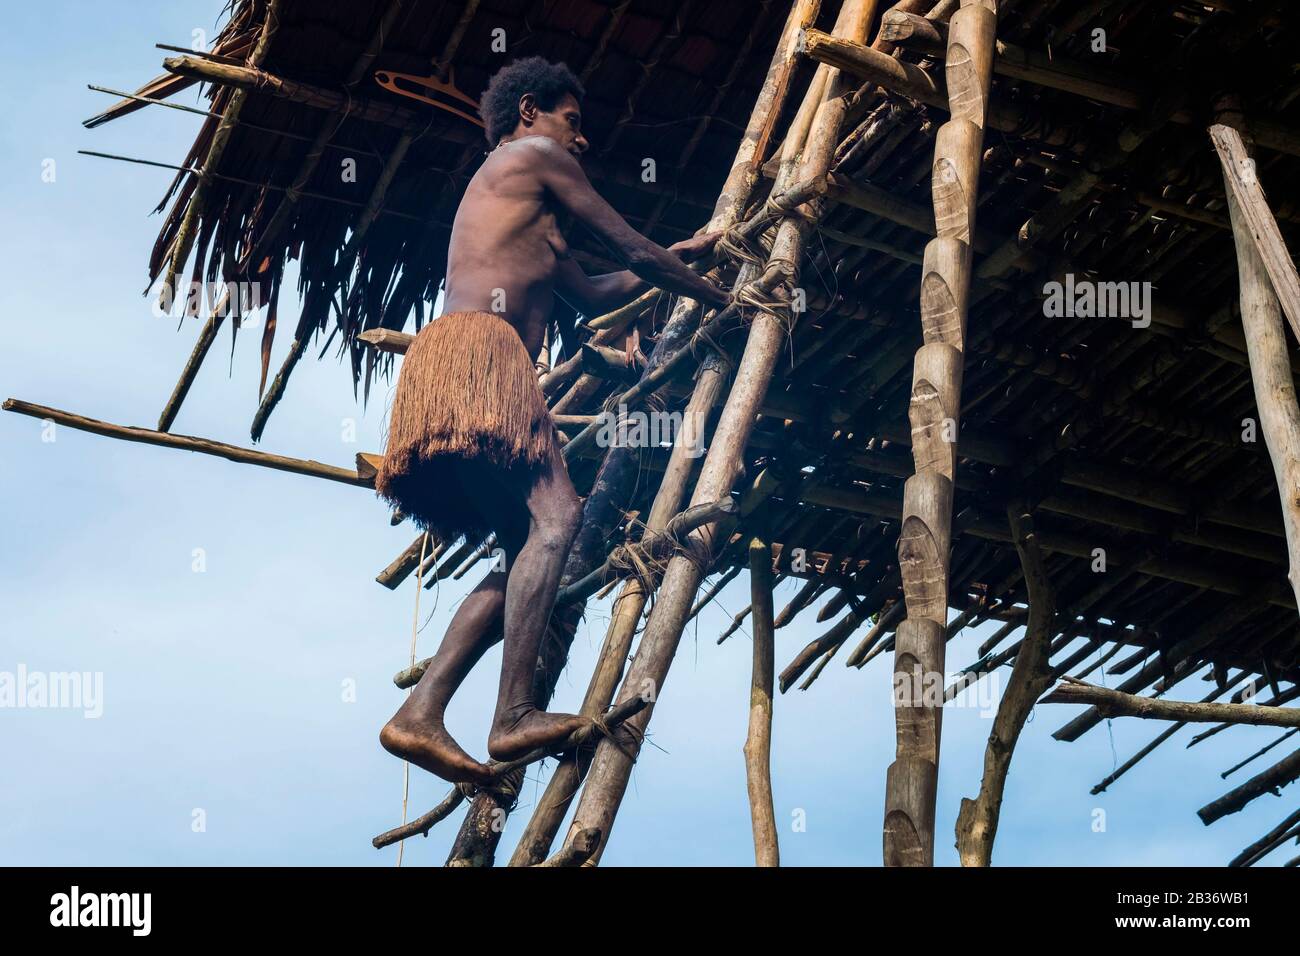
(513, 737)
(431, 748)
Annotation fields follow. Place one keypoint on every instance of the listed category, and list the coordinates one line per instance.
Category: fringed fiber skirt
(467, 392)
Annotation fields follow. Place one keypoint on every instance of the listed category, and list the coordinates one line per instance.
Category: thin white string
(415, 631)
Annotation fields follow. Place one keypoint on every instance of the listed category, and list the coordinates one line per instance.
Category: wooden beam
(1070, 76)
(1267, 781)
(204, 446)
(388, 340)
(1114, 703)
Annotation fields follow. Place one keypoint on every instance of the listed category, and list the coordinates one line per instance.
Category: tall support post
(758, 742)
(925, 540)
(631, 601)
(612, 764)
(1261, 320)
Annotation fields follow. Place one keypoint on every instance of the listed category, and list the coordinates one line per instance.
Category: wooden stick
(402, 565)
(977, 820)
(1267, 781)
(1114, 703)
(421, 825)
(387, 340)
(1257, 754)
(758, 742)
(250, 78)
(1159, 739)
(1268, 842)
(205, 446)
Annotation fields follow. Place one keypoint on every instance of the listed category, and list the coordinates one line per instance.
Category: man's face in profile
(563, 124)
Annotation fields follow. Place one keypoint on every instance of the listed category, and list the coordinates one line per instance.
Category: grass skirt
(467, 392)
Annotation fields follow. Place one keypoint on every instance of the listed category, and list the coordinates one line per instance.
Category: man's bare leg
(417, 731)
(554, 512)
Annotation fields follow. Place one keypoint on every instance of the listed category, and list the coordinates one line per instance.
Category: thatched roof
(1133, 440)
(669, 81)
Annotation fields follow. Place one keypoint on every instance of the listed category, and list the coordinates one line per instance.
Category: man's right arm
(561, 175)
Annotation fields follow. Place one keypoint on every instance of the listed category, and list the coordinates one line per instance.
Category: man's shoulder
(534, 150)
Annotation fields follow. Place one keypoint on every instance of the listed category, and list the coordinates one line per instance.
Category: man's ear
(528, 109)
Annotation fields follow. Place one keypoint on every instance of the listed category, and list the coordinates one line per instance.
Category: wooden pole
(1264, 267)
(612, 767)
(1253, 221)
(758, 742)
(1266, 781)
(1114, 703)
(205, 446)
(924, 542)
(628, 607)
(977, 820)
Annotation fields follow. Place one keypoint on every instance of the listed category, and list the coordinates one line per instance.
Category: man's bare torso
(506, 244)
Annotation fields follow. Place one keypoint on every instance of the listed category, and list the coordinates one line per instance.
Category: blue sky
(223, 690)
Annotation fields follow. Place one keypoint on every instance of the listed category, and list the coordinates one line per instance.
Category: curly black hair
(547, 81)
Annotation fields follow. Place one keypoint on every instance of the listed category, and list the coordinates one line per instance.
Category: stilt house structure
(1013, 339)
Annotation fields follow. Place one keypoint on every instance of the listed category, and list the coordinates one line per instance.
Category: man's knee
(560, 524)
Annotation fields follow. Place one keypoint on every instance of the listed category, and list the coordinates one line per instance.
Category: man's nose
(581, 142)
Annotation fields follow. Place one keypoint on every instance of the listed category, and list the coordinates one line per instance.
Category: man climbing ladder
(471, 448)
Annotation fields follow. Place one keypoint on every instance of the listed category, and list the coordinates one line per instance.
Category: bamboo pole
(611, 767)
(758, 742)
(977, 820)
(628, 607)
(1262, 281)
(923, 547)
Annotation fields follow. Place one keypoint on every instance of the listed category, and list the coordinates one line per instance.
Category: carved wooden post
(923, 546)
